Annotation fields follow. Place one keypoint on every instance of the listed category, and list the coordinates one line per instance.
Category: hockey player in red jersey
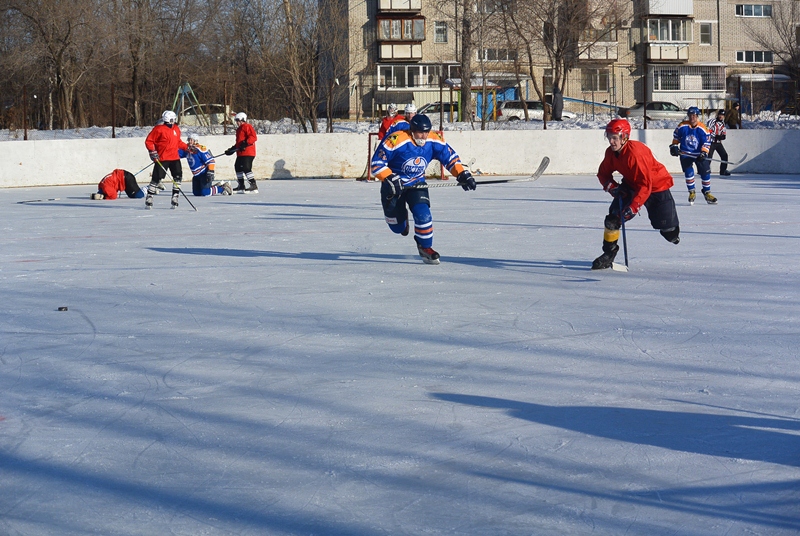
(390, 119)
(400, 163)
(645, 182)
(245, 150)
(117, 181)
(163, 144)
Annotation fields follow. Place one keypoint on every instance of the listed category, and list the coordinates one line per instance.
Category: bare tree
(63, 38)
(779, 34)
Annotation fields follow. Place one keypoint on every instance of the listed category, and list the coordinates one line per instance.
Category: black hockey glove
(613, 188)
(702, 156)
(394, 184)
(243, 145)
(154, 156)
(230, 151)
(210, 175)
(675, 150)
(628, 214)
(466, 181)
(720, 137)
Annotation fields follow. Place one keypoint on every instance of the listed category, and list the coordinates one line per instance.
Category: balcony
(670, 7)
(667, 52)
(599, 52)
(400, 51)
(399, 6)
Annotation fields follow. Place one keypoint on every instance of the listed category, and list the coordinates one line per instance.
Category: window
(595, 35)
(669, 30)
(753, 10)
(594, 79)
(666, 79)
(753, 56)
(410, 76)
(705, 33)
(497, 54)
(440, 32)
(401, 29)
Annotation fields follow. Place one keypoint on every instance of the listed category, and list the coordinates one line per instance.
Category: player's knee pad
(612, 222)
(671, 234)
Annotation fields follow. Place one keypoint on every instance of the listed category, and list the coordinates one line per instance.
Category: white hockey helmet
(392, 109)
(410, 109)
(169, 117)
(241, 116)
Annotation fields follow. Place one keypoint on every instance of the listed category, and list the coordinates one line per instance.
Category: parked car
(655, 110)
(512, 110)
(432, 109)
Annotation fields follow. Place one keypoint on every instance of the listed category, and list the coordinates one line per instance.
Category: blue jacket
(692, 140)
(200, 161)
(399, 154)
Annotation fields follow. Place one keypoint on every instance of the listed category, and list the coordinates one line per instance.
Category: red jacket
(166, 140)
(112, 183)
(245, 132)
(387, 122)
(640, 171)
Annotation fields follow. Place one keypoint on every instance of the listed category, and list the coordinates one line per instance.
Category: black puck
(63, 309)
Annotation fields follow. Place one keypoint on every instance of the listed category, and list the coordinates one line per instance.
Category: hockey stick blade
(618, 267)
(536, 174)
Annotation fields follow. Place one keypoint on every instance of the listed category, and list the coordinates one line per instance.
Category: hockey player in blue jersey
(202, 164)
(691, 142)
(400, 163)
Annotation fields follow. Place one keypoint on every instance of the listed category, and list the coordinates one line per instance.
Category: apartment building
(688, 52)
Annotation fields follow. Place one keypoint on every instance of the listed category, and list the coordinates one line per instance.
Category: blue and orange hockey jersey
(399, 154)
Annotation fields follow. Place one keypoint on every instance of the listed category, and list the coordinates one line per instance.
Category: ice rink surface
(283, 364)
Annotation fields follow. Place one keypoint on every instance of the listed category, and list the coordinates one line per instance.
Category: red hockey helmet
(619, 126)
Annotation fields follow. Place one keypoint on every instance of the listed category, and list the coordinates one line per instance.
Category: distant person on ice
(719, 132)
(117, 181)
(645, 182)
(390, 119)
(691, 142)
(245, 150)
(400, 162)
(202, 164)
(163, 144)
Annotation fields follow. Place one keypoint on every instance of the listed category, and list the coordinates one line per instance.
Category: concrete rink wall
(345, 155)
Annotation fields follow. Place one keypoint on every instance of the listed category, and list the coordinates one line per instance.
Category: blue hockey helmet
(693, 110)
(420, 123)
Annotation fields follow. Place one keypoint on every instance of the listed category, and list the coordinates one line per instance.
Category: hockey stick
(145, 167)
(615, 266)
(535, 176)
(720, 161)
(179, 188)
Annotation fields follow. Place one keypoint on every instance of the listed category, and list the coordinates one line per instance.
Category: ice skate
(252, 188)
(710, 199)
(226, 189)
(692, 197)
(606, 260)
(175, 199)
(148, 201)
(429, 255)
(240, 187)
(98, 196)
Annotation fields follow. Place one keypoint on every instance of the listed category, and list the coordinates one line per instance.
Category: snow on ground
(283, 364)
(765, 120)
